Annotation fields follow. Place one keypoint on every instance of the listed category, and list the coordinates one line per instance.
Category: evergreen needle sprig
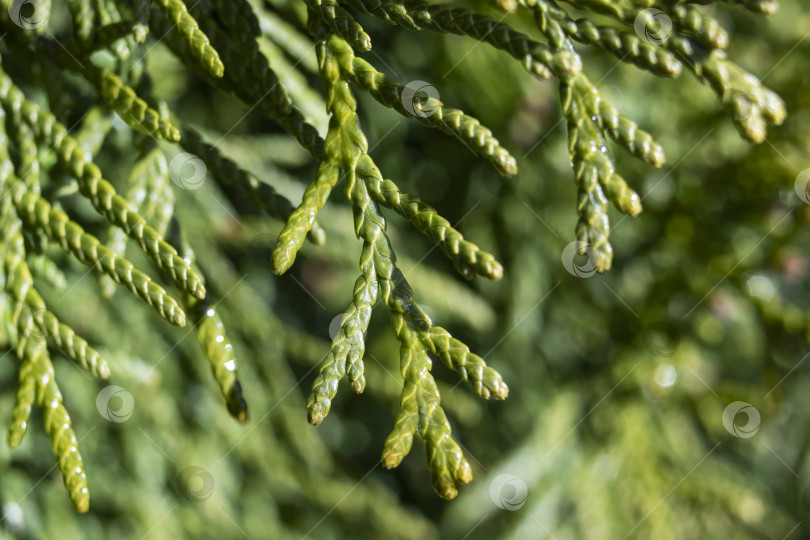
(537, 58)
(24, 399)
(212, 336)
(626, 133)
(420, 410)
(111, 35)
(49, 132)
(593, 164)
(186, 27)
(302, 220)
(36, 320)
(132, 109)
(229, 175)
(37, 213)
(750, 104)
(453, 122)
(36, 382)
(83, 15)
(341, 22)
(27, 152)
(347, 349)
(106, 16)
(467, 257)
(420, 401)
(591, 170)
(33, 318)
(471, 368)
(624, 45)
(47, 271)
(256, 52)
(149, 194)
(39, 373)
(692, 36)
(120, 97)
(693, 21)
(250, 79)
(698, 40)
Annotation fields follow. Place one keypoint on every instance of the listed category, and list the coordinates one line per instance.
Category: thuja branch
(246, 49)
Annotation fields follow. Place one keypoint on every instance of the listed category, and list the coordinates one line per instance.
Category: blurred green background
(618, 383)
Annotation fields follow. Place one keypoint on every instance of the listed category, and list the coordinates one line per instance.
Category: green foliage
(95, 58)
